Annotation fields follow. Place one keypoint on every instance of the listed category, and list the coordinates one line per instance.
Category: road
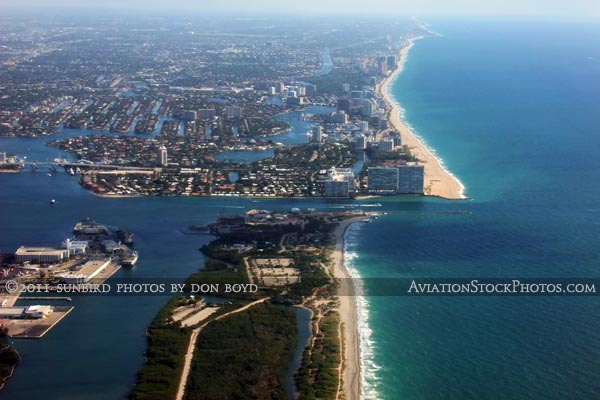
(187, 366)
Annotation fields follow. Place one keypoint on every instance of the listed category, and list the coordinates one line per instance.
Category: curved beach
(438, 180)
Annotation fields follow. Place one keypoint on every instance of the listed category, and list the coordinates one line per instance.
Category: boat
(77, 170)
(367, 220)
(196, 230)
(52, 201)
(71, 172)
(130, 259)
(11, 166)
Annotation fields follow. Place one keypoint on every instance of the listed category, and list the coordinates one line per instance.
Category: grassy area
(318, 377)
(244, 356)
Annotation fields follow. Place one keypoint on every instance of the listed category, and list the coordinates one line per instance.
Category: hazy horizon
(547, 9)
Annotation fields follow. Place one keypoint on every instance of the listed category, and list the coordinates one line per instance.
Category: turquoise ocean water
(513, 108)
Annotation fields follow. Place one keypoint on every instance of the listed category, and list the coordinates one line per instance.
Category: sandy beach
(348, 315)
(438, 180)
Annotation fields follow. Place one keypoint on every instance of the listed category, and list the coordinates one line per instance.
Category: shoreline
(439, 181)
(348, 312)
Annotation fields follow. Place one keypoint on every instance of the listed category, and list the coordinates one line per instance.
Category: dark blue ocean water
(513, 108)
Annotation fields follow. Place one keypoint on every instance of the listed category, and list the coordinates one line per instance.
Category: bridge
(88, 166)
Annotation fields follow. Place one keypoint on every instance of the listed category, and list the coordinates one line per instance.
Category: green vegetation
(244, 356)
(318, 377)
(221, 277)
(332, 82)
(168, 341)
(213, 251)
(215, 265)
(9, 358)
(167, 344)
(312, 276)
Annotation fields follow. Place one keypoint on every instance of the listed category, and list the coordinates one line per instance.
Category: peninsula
(288, 259)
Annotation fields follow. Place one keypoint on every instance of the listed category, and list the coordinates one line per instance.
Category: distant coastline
(439, 181)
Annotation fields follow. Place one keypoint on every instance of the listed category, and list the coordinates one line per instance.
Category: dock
(36, 328)
(49, 298)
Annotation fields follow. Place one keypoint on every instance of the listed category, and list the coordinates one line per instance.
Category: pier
(55, 298)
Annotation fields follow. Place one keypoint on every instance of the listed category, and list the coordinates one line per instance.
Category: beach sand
(348, 315)
(438, 180)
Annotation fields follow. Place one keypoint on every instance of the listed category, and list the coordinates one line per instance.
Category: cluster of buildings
(90, 252)
(26, 312)
(364, 103)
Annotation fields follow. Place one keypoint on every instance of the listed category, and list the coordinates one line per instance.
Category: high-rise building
(2, 158)
(162, 155)
(357, 94)
(392, 61)
(317, 134)
(345, 87)
(364, 126)
(206, 113)
(280, 86)
(189, 115)
(368, 107)
(311, 89)
(386, 144)
(361, 142)
(340, 117)
(233, 112)
(411, 179)
(339, 183)
(397, 140)
(345, 105)
(382, 66)
(336, 188)
(383, 180)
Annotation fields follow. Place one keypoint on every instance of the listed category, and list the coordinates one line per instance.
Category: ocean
(513, 110)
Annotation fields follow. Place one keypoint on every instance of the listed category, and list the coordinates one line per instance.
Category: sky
(550, 8)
